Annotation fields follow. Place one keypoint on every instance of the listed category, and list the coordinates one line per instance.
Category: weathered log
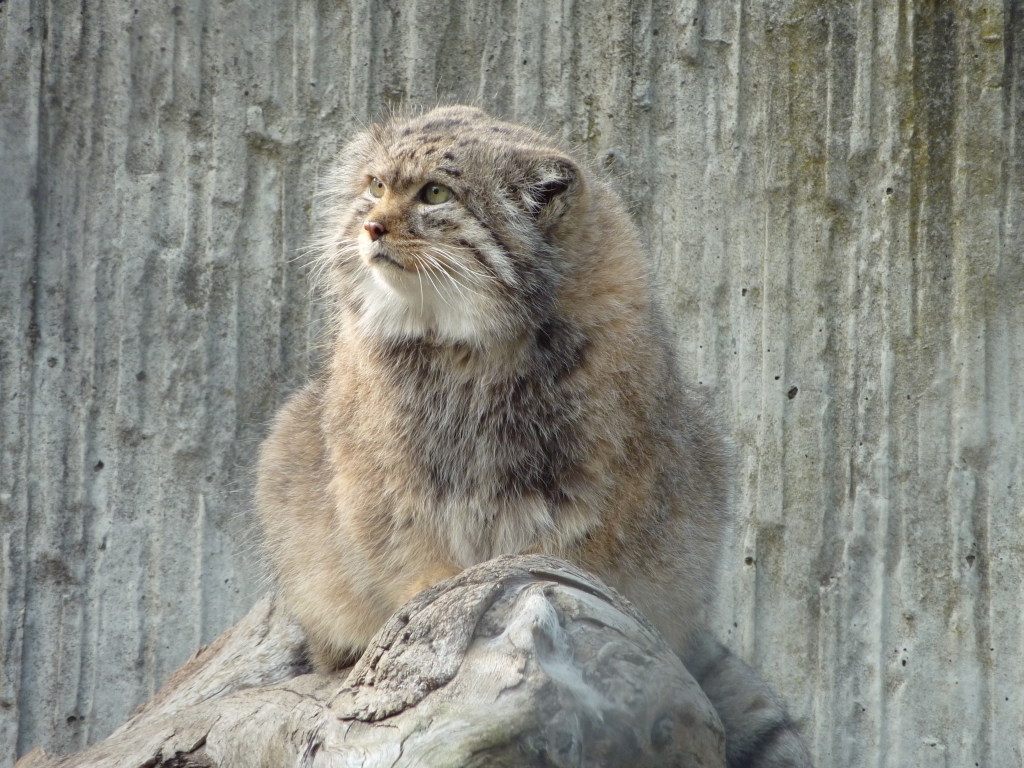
(523, 661)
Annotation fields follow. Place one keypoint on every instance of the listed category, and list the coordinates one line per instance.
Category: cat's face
(445, 227)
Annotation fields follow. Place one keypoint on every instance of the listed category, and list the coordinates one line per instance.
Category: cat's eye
(377, 187)
(435, 194)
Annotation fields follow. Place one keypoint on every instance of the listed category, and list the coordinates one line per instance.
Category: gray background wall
(834, 193)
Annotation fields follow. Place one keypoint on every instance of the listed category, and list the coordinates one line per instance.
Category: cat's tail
(759, 732)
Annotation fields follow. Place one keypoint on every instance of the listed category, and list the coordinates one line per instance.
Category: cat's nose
(375, 228)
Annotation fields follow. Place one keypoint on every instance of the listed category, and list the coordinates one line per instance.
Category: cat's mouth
(380, 255)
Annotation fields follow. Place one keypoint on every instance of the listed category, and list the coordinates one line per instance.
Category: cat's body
(500, 382)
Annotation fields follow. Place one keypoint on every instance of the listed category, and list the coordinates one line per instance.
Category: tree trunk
(523, 661)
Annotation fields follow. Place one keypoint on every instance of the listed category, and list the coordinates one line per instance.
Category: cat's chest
(516, 437)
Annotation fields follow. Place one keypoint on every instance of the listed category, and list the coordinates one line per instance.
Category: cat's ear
(552, 186)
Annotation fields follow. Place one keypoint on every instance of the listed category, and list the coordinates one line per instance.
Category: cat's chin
(400, 304)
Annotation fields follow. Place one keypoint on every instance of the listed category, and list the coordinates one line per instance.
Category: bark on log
(523, 661)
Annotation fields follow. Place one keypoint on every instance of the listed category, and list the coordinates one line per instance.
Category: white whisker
(419, 278)
(454, 263)
(437, 288)
(454, 270)
(459, 286)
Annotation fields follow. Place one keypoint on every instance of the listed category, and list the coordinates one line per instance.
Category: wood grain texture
(519, 661)
(834, 194)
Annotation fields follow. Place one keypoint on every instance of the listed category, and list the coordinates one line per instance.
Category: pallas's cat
(500, 382)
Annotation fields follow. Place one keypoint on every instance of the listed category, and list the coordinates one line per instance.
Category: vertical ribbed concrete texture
(834, 196)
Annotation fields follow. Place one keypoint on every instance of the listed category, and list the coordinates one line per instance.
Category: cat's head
(449, 227)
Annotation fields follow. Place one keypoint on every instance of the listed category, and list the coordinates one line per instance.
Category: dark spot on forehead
(450, 171)
(448, 156)
(417, 145)
(399, 177)
(451, 122)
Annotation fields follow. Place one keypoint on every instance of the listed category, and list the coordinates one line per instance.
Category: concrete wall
(835, 196)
